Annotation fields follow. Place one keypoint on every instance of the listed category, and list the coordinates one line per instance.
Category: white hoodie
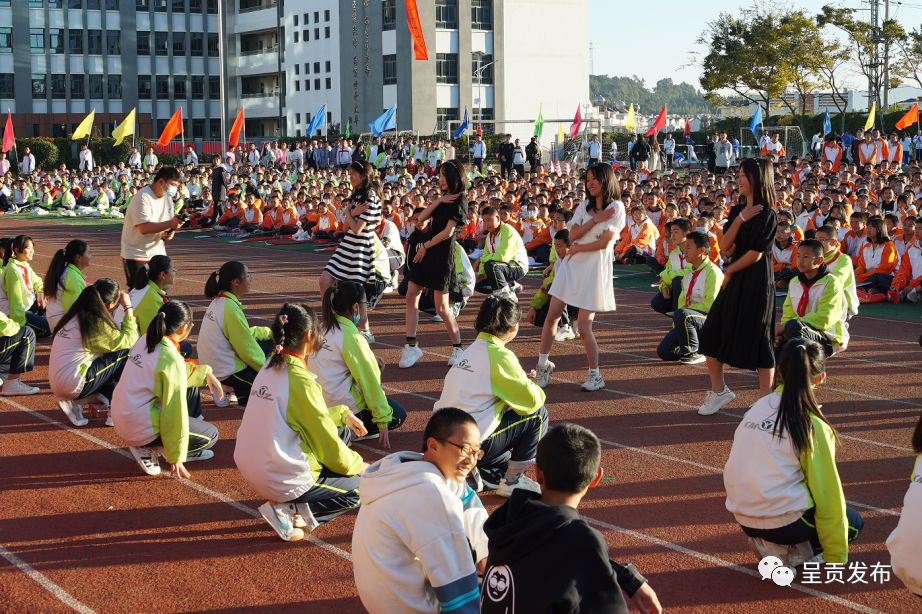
(905, 542)
(412, 539)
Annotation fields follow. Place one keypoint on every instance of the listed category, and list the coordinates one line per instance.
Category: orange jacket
(637, 235)
(881, 257)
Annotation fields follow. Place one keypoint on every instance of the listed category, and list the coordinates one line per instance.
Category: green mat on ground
(92, 222)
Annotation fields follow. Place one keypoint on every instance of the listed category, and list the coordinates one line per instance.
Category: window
(179, 43)
(161, 47)
(316, 16)
(316, 84)
(390, 69)
(214, 131)
(305, 35)
(160, 6)
(198, 128)
(94, 42)
(213, 49)
(297, 69)
(297, 85)
(389, 21)
(75, 4)
(58, 131)
(115, 87)
(481, 14)
(96, 87)
(144, 87)
(326, 15)
(307, 18)
(214, 88)
(37, 40)
(443, 116)
(307, 68)
(56, 40)
(446, 68)
(316, 34)
(195, 6)
(6, 40)
(113, 42)
(317, 68)
(142, 4)
(92, 5)
(198, 87)
(307, 85)
(52, 4)
(327, 63)
(446, 14)
(36, 4)
(212, 7)
(163, 87)
(329, 83)
(76, 87)
(75, 41)
(179, 6)
(197, 44)
(296, 20)
(143, 43)
(297, 118)
(296, 37)
(179, 87)
(111, 5)
(326, 32)
(7, 89)
(487, 74)
(487, 115)
(58, 88)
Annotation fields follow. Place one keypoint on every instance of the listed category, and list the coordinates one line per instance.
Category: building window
(111, 5)
(58, 89)
(198, 128)
(297, 85)
(306, 35)
(92, 5)
(484, 115)
(296, 20)
(94, 42)
(37, 40)
(96, 87)
(213, 49)
(36, 4)
(307, 68)
(389, 12)
(195, 6)
(52, 4)
(115, 87)
(446, 68)
(446, 14)
(56, 40)
(327, 66)
(144, 87)
(486, 76)
(296, 37)
(214, 88)
(6, 40)
(307, 18)
(76, 87)
(142, 4)
(143, 43)
(481, 14)
(326, 15)
(75, 41)
(316, 84)
(326, 32)
(7, 86)
(179, 6)
(317, 68)
(75, 4)
(390, 69)
(316, 16)
(179, 87)
(58, 131)
(198, 87)
(113, 42)
(214, 131)
(297, 69)
(161, 46)
(297, 118)
(163, 87)
(179, 43)
(329, 83)
(307, 85)
(316, 34)
(212, 7)
(160, 6)
(443, 116)
(197, 44)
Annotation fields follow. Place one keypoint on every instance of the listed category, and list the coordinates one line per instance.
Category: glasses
(466, 450)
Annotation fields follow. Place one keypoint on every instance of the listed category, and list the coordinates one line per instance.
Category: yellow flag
(870, 123)
(83, 130)
(629, 122)
(126, 128)
(560, 136)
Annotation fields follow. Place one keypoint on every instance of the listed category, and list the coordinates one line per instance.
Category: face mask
(356, 318)
(171, 191)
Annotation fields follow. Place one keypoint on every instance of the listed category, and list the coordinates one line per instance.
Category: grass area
(91, 222)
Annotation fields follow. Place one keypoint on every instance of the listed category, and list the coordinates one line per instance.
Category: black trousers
(654, 265)
(669, 158)
(478, 164)
(533, 165)
(103, 374)
(36, 320)
(131, 269)
(242, 381)
(498, 275)
(797, 329)
(569, 314)
(398, 418)
(519, 169)
(331, 495)
(202, 435)
(804, 529)
(17, 353)
(682, 340)
(513, 443)
(664, 305)
(505, 168)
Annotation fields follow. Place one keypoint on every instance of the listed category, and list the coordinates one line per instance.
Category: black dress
(436, 270)
(740, 328)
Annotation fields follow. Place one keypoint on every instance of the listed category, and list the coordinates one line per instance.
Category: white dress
(584, 280)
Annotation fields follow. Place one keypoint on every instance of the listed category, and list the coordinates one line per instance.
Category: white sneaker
(544, 374)
(913, 296)
(564, 333)
(232, 398)
(109, 420)
(146, 459)
(17, 388)
(409, 356)
(474, 255)
(388, 289)
(456, 309)
(507, 293)
(201, 455)
(280, 518)
(524, 483)
(455, 354)
(715, 400)
(692, 359)
(73, 412)
(369, 337)
(791, 557)
(304, 517)
(593, 382)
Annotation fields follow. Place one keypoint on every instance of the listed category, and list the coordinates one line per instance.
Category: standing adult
(518, 160)
(86, 158)
(479, 151)
(906, 143)
(595, 150)
(506, 151)
(149, 221)
(151, 160)
(219, 180)
(653, 161)
(669, 148)
(533, 154)
(724, 154)
(27, 166)
(739, 328)
(854, 150)
(191, 157)
(639, 153)
(630, 151)
(712, 153)
(134, 160)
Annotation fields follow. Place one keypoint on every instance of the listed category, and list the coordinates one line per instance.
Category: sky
(655, 49)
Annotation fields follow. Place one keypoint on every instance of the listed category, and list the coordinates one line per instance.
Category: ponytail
(17, 244)
(59, 263)
(337, 300)
(917, 437)
(91, 309)
(170, 318)
(221, 280)
(289, 328)
(802, 361)
(497, 316)
(151, 271)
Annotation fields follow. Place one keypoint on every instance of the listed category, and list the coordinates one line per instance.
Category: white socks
(594, 372)
(542, 360)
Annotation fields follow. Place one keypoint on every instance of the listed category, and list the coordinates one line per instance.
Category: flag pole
(90, 133)
(182, 133)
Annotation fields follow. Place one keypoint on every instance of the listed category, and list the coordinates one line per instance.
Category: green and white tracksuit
(72, 284)
(840, 266)
(227, 342)
(676, 266)
(821, 305)
(905, 542)
(146, 302)
(72, 355)
(699, 291)
(20, 287)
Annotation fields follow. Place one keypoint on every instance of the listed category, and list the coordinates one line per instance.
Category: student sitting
(498, 265)
(17, 356)
(252, 218)
(286, 220)
(89, 351)
(905, 542)
(569, 567)
(65, 280)
(235, 350)
(538, 307)
(781, 479)
(784, 255)
(156, 408)
(233, 215)
(23, 297)
(289, 446)
(700, 286)
(664, 245)
(327, 226)
(347, 370)
(420, 523)
(489, 383)
(839, 265)
(908, 278)
(667, 299)
(637, 239)
(876, 263)
(815, 305)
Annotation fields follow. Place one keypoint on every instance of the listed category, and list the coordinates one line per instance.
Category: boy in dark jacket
(542, 556)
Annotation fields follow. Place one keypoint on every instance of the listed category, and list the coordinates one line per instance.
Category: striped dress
(353, 259)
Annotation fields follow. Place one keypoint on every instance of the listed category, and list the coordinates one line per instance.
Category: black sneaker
(692, 359)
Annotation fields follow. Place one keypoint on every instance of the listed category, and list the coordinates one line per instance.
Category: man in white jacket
(419, 522)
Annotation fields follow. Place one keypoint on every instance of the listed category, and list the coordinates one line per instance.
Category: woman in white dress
(583, 278)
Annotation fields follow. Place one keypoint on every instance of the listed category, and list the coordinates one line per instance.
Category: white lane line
(62, 595)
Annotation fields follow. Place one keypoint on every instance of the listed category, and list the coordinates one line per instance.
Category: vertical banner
(416, 29)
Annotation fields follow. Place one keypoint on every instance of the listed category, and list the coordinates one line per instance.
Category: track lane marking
(50, 586)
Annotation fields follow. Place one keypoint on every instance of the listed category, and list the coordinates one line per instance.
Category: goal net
(790, 136)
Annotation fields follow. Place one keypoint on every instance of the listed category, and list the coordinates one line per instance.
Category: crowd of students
(722, 247)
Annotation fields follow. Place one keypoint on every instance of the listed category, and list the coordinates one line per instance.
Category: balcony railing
(258, 7)
(273, 49)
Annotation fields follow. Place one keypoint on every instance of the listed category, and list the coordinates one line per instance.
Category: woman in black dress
(434, 263)
(738, 330)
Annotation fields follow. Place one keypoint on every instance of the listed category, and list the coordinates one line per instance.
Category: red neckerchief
(691, 285)
(26, 277)
(805, 297)
(301, 358)
(492, 237)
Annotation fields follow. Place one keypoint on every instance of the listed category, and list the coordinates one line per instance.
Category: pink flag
(9, 140)
(577, 123)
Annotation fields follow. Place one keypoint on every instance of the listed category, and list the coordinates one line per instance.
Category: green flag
(348, 121)
(539, 124)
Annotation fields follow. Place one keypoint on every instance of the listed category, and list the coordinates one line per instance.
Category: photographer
(150, 220)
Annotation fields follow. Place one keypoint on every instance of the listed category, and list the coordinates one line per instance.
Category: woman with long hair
(583, 279)
(877, 262)
(739, 329)
(65, 280)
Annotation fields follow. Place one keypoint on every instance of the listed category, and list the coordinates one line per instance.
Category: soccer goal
(790, 136)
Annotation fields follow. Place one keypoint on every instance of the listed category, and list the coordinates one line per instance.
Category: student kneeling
(700, 286)
(567, 569)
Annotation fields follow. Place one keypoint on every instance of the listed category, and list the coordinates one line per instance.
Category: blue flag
(320, 119)
(463, 127)
(387, 121)
(827, 126)
(756, 120)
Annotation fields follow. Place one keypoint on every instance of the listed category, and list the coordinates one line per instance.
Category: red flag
(911, 117)
(236, 128)
(687, 129)
(416, 29)
(577, 123)
(9, 140)
(173, 128)
(659, 124)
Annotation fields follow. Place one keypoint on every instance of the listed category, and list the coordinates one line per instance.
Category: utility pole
(874, 65)
(591, 71)
(886, 84)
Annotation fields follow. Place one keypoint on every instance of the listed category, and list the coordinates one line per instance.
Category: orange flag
(416, 29)
(173, 128)
(911, 117)
(236, 128)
